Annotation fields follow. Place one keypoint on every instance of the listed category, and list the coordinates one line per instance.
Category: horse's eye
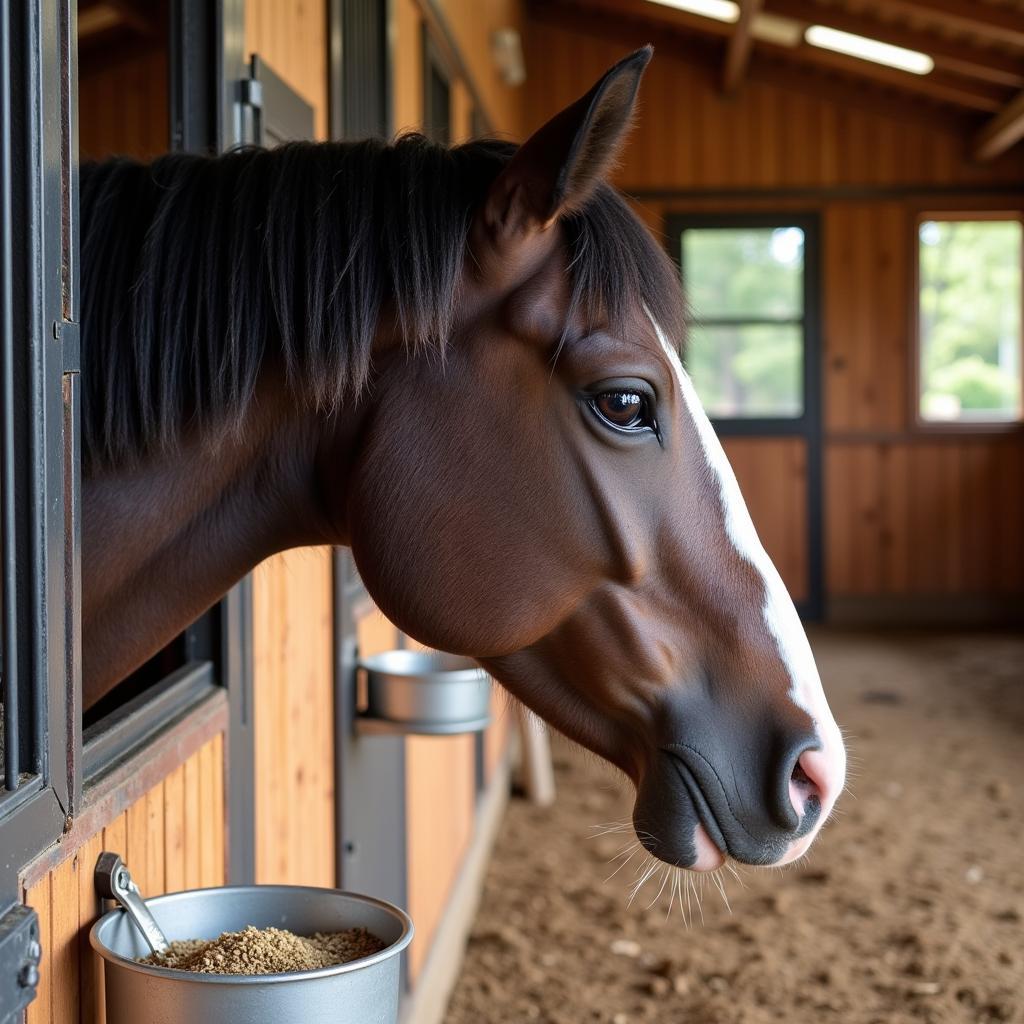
(624, 410)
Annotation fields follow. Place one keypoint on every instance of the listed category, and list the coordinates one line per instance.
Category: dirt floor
(911, 907)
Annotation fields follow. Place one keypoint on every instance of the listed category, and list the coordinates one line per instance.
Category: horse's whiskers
(624, 863)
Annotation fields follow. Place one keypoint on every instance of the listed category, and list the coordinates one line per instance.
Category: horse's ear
(560, 165)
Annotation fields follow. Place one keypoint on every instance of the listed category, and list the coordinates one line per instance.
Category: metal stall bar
(8, 651)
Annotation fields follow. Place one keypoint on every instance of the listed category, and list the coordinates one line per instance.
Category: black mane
(195, 270)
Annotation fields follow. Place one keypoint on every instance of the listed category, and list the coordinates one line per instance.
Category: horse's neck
(166, 538)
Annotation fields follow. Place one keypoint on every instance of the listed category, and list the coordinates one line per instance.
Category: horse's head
(550, 499)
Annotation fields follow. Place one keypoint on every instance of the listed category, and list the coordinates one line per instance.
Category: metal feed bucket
(424, 692)
(364, 991)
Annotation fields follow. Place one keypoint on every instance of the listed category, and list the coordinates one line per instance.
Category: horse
(463, 364)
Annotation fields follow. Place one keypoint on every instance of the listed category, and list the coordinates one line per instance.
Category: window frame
(809, 425)
(918, 423)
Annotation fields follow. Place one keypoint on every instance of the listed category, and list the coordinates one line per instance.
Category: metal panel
(371, 817)
(809, 424)
(279, 113)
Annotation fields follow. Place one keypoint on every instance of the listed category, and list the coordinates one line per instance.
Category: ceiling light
(720, 10)
(869, 49)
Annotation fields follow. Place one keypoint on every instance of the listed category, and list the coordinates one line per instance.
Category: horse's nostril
(802, 787)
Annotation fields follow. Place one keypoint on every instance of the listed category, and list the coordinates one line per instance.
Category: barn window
(969, 319)
(745, 291)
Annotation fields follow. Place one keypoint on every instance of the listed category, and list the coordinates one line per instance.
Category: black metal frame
(808, 425)
(39, 485)
(359, 69)
(437, 123)
(39, 482)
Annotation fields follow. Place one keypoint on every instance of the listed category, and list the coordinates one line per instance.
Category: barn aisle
(910, 909)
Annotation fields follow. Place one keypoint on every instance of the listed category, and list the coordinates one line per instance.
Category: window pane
(752, 273)
(970, 330)
(748, 370)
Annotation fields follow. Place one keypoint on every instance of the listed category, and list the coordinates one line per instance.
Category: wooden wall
(470, 24)
(293, 687)
(907, 514)
(172, 837)
(123, 106)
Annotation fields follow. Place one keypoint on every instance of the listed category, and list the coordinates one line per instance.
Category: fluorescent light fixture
(869, 49)
(720, 10)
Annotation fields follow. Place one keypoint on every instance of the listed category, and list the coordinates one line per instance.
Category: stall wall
(172, 837)
(908, 515)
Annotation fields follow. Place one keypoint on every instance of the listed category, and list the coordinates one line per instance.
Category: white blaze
(780, 615)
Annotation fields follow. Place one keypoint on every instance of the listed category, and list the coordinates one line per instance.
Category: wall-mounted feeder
(422, 692)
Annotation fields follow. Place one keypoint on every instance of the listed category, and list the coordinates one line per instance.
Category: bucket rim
(396, 947)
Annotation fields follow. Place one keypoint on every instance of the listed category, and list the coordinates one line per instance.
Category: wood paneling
(772, 473)
(926, 517)
(407, 66)
(792, 134)
(291, 35)
(866, 266)
(122, 106)
(440, 797)
(294, 718)
(70, 989)
(473, 24)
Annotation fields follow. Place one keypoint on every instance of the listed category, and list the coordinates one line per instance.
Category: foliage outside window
(969, 320)
(745, 346)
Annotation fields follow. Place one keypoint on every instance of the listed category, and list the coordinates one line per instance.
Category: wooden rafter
(1000, 24)
(958, 57)
(942, 86)
(1002, 131)
(741, 42)
(766, 66)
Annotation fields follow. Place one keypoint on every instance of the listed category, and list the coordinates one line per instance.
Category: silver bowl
(426, 692)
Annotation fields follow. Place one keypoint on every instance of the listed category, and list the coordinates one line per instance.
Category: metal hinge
(20, 953)
(67, 333)
(250, 107)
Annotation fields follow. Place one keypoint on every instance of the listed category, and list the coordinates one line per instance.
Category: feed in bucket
(266, 951)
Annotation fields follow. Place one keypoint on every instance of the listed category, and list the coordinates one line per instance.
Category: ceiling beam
(999, 24)
(1006, 128)
(949, 55)
(741, 42)
(939, 85)
(840, 88)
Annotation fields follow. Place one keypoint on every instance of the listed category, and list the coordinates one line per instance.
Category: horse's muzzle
(756, 798)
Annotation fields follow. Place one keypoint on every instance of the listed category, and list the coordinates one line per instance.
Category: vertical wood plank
(193, 824)
(137, 844)
(207, 850)
(40, 1010)
(174, 830)
(90, 967)
(64, 951)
